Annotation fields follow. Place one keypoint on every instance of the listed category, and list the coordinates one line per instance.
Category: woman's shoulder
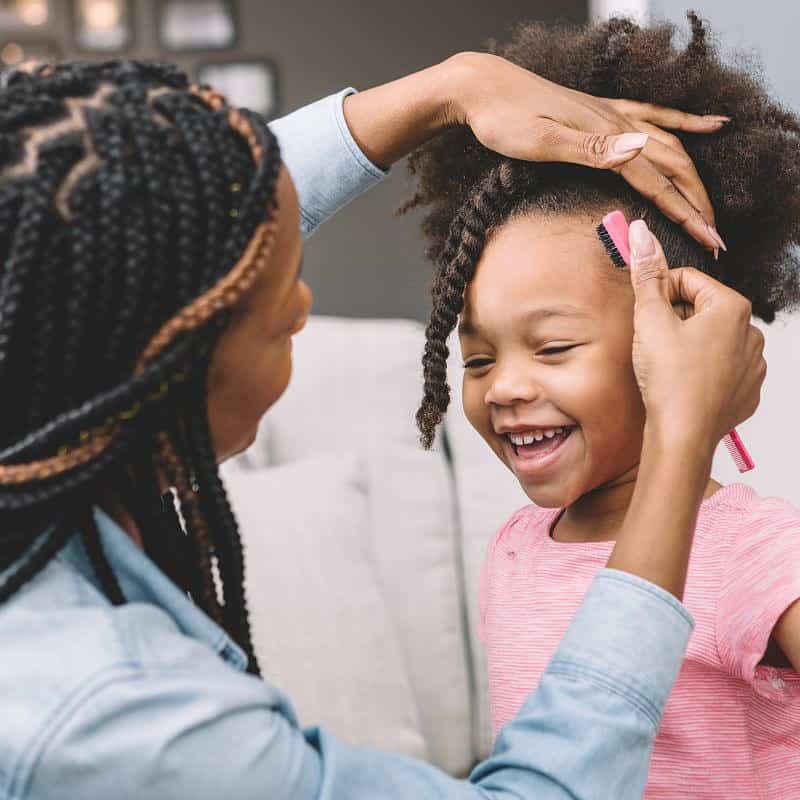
(65, 645)
(84, 681)
(56, 644)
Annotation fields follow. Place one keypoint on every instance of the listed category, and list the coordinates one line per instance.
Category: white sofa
(364, 551)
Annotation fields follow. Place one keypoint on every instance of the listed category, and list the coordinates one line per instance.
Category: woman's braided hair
(751, 170)
(135, 210)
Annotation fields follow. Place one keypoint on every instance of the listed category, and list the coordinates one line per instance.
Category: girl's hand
(698, 359)
(522, 115)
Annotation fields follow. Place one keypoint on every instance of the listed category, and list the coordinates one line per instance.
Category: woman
(150, 289)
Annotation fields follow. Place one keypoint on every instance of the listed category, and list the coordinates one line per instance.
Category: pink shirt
(731, 728)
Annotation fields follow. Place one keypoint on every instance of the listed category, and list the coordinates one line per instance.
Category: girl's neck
(598, 515)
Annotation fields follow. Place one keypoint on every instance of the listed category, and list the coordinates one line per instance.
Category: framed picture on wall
(102, 26)
(185, 25)
(16, 49)
(23, 14)
(247, 83)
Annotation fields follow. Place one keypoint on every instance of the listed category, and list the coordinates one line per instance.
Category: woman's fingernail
(714, 233)
(716, 254)
(718, 119)
(626, 143)
(641, 240)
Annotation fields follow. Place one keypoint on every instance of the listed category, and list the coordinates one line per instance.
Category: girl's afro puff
(751, 169)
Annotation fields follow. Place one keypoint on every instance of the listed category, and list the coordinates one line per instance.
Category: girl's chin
(549, 494)
(547, 497)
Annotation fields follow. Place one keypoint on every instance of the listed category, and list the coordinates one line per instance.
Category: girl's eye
(477, 362)
(551, 351)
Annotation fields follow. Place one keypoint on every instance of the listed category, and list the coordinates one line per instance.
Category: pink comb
(613, 233)
(738, 452)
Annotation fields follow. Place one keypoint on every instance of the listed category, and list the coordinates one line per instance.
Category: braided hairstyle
(135, 210)
(751, 170)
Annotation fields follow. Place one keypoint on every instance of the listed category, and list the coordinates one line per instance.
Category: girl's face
(546, 337)
(252, 362)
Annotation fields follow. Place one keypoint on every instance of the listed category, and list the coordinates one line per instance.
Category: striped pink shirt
(731, 728)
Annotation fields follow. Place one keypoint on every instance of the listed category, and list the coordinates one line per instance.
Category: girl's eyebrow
(468, 328)
(565, 310)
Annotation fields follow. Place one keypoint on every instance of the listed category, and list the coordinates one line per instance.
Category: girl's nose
(512, 383)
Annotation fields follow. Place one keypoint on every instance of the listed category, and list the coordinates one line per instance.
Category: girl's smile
(532, 459)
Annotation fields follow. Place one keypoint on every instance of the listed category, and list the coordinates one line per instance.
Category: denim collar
(142, 581)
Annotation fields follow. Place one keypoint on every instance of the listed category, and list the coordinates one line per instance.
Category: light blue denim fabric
(327, 166)
(150, 700)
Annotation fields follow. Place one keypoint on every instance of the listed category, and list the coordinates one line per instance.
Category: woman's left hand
(522, 115)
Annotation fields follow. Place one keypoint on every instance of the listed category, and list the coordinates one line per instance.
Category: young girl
(545, 330)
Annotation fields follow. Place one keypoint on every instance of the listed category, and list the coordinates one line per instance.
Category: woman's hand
(700, 367)
(521, 115)
(698, 359)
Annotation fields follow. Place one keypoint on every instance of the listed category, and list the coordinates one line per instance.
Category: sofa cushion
(487, 494)
(356, 386)
(321, 626)
(355, 382)
(417, 557)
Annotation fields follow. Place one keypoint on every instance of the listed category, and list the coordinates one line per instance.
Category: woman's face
(252, 363)
(546, 335)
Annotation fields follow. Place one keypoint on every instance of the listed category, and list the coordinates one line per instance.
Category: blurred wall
(773, 434)
(369, 262)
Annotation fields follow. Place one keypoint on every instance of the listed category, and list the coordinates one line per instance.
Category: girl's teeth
(520, 439)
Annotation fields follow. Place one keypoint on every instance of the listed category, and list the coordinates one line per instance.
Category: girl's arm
(787, 634)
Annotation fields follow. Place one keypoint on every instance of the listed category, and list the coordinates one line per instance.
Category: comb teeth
(741, 457)
(611, 248)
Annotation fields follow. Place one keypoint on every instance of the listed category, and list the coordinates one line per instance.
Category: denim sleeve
(327, 166)
(193, 727)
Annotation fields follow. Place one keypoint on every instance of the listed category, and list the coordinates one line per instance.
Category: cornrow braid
(38, 556)
(78, 305)
(225, 535)
(53, 540)
(106, 397)
(94, 549)
(108, 136)
(196, 539)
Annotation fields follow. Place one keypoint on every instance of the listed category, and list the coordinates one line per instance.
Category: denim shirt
(150, 699)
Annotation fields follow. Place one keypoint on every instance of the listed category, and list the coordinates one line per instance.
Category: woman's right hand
(698, 359)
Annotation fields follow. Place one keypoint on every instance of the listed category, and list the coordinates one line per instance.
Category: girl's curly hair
(751, 170)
